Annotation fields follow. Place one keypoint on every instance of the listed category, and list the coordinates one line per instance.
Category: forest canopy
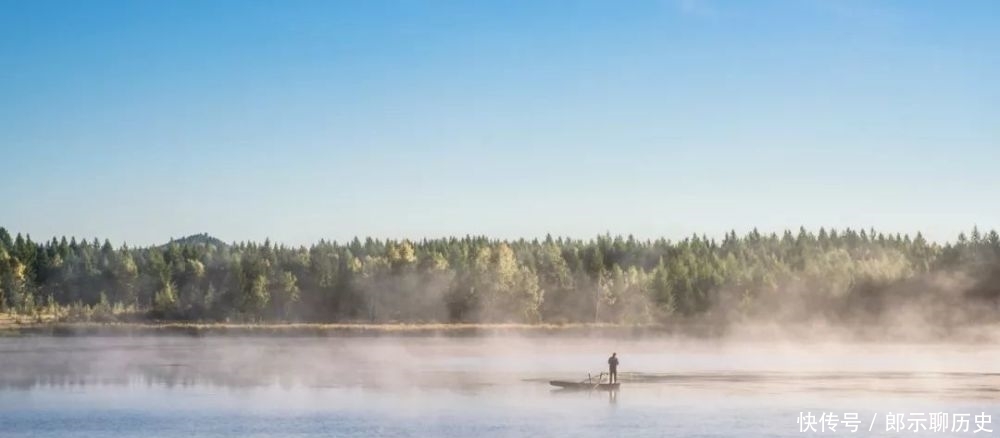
(843, 276)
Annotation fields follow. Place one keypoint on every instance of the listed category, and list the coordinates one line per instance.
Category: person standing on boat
(613, 368)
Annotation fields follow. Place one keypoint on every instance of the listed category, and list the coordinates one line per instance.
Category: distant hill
(198, 239)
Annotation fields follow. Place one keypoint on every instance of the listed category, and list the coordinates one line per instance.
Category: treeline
(847, 275)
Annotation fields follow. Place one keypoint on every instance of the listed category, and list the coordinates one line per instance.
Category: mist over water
(482, 386)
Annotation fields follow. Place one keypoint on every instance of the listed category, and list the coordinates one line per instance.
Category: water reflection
(463, 366)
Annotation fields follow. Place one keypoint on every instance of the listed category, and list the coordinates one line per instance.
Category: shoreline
(74, 329)
(802, 333)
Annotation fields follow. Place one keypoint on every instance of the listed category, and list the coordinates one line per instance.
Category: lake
(486, 387)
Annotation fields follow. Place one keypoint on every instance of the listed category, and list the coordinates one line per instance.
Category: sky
(139, 121)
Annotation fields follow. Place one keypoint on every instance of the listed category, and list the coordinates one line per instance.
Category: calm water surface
(477, 387)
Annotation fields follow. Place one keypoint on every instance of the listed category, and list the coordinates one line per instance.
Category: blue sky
(142, 120)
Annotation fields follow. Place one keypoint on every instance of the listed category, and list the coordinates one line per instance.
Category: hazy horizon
(716, 236)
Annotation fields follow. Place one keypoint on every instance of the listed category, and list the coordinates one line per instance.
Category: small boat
(584, 385)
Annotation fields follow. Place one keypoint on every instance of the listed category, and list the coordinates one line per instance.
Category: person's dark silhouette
(613, 368)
